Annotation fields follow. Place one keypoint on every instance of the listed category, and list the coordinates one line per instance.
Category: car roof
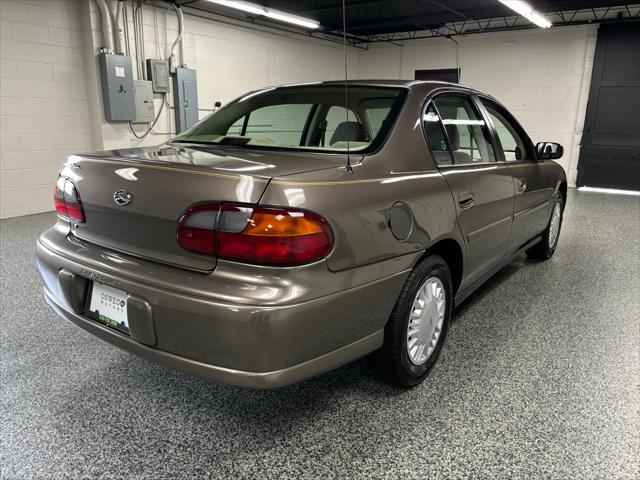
(422, 85)
(378, 83)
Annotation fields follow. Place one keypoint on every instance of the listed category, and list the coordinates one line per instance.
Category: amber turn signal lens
(285, 224)
(264, 236)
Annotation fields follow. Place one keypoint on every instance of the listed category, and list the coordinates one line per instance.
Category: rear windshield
(309, 117)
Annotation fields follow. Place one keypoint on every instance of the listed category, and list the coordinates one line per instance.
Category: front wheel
(547, 246)
(417, 327)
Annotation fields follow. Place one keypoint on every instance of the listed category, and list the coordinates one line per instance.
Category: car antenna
(348, 167)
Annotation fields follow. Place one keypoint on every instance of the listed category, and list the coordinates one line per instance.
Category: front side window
(467, 134)
(309, 117)
(512, 143)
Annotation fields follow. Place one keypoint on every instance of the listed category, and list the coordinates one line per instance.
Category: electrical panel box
(116, 77)
(144, 101)
(158, 72)
(185, 98)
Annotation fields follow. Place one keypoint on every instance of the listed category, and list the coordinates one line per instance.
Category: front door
(482, 186)
(534, 190)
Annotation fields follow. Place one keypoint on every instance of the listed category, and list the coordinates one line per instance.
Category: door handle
(521, 184)
(466, 199)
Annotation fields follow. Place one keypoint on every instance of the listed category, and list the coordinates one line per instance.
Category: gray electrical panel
(144, 101)
(116, 77)
(158, 73)
(185, 98)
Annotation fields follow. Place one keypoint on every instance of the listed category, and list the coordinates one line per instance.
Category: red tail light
(67, 200)
(196, 229)
(267, 236)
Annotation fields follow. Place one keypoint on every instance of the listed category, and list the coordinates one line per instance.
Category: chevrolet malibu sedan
(298, 228)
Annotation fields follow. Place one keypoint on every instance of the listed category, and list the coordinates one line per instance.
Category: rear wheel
(547, 246)
(416, 330)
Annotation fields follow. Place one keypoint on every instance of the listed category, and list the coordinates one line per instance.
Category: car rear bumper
(241, 378)
(254, 345)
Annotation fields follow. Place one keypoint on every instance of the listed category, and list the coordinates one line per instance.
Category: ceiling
(387, 20)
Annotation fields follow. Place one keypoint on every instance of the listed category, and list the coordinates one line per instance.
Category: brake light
(67, 200)
(266, 236)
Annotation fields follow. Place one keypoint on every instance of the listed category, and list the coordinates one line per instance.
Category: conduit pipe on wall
(138, 36)
(107, 25)
(182, 57)
(140, 43)
(119, 43)
(125, 27)
(179, 38)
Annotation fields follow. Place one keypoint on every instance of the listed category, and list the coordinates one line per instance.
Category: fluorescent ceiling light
(527, 11)
(286, 17)
(244, 6)
(268, 12)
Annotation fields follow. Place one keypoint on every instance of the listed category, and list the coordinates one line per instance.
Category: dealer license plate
(108, 305)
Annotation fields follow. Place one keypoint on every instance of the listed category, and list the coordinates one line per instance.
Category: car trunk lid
(134, 198)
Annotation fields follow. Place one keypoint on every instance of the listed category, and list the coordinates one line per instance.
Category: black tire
(392, 360)
(542, 250)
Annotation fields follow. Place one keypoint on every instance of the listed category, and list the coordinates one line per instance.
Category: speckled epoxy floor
(540, 378)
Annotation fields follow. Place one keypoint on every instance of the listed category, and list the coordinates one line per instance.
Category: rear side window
(375, 116)
(436, 138)
(278, 124)
(236, 128)
(467, 134)
(338, 119)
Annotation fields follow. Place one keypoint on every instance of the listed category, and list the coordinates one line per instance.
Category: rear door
(534, 190)
(482, 186)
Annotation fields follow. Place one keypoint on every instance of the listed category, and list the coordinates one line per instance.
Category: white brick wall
(44, 106)
(542, 76)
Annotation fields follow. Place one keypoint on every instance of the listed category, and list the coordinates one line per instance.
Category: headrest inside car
(349, 131)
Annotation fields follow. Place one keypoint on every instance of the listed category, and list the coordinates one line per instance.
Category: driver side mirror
(549, 150)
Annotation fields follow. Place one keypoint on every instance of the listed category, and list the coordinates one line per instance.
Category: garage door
(610, 153)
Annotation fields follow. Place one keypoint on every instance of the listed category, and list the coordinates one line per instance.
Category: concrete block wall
(542, 76)
(44, 106)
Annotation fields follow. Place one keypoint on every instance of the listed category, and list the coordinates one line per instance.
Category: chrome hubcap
(425, 320)
(554, 226)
